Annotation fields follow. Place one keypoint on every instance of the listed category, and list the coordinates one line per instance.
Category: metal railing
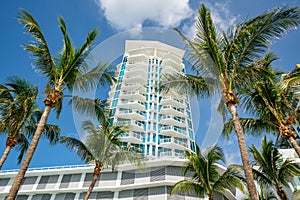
(49, 168)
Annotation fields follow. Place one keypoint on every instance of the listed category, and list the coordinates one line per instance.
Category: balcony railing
(178, 130)
(174, 99)
(176, 141)
(132, 111)
(132, 101)
(134, 84)
(132, 134)
(178, 119)
(172, 107)
(166, 154)
(131, 92)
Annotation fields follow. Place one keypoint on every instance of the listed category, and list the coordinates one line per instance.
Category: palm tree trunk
(4, 156)
(210, 196)
(97, 170)
(244, 153)
(16, 184)
(294, 145)
(281, 193)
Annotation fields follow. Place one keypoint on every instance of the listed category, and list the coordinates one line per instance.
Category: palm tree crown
(273, 108)
(206, 176)
(272, 171)
(103, 147)
(20, 115)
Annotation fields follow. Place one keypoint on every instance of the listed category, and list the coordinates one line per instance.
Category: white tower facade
(160, 124)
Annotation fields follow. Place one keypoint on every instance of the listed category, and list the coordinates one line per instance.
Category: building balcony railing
(131, 114)
(133, 125)
(132, 104)
(172, 110)
(140, 64)
(168, 100)
(140, 71)
(172, 63)
(132, 137)
(168, 70)
(173, 143)
(134, 86)
(171, 154)
(133, 95)
(140, 57)
(166, 154)
(174, 129)
(181, 120)
(135, 79)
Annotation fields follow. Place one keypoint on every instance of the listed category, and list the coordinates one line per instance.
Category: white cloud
(221, 16)
(233, 158)
(127, 14)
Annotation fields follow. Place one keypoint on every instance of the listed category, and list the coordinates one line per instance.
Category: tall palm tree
(226, 62)
(272, 172)
(19, 115)
(207, 178)
(103, 147)
(273, 108)
(67, 71)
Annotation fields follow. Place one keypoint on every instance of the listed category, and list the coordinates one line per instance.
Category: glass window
(154, 138)
(147, 152)
(116, 95)
(114, 103)
(153, 150)
(118, 86)
(47, 182)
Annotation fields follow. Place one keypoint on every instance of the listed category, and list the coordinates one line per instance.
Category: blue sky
(112, 18)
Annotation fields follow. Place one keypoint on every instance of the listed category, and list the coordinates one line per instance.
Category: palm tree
(272, 172)
(19, 115)
(207, 178)
(67, 71)
(273, 108)
(103, 147)
(226, 62)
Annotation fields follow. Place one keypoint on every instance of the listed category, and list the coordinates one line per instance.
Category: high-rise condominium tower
(160, 123)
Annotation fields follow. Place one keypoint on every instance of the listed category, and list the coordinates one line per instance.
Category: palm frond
(78, 147)
(58, 107)
(231, 177)
(75, 67)
(262, 178)
(89, 107)
(22, 146)
(255, 35)
(186, 186)
(251, 126)
(39, 48)
(100, 74)
(288, 170)
(291, 79)
(52, 133)
(67, 52)
(124, 155)
(185, 84)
